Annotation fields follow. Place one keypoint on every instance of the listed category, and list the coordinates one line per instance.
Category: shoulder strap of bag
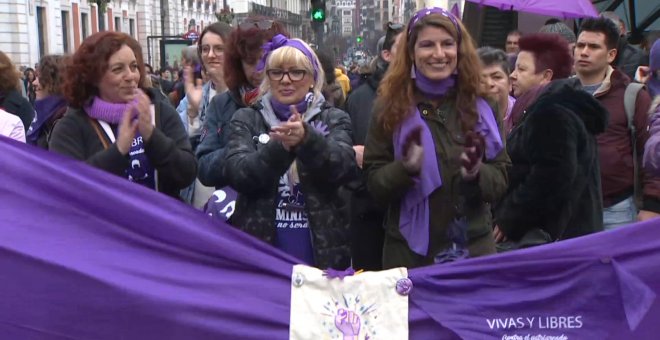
(97, 128)
(629, 104)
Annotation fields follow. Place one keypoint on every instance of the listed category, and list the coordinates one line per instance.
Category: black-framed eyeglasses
(261, 24)
(277, 74)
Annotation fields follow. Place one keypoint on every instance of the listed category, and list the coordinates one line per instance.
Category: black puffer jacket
(554, 182)
(324, 164)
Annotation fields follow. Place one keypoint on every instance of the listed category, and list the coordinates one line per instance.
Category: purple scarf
(414, 209)
(45, 109)
(140, 170)
(433, 89)
(283, 111)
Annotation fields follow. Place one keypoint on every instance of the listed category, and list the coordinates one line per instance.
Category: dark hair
(494, 56)
(605, 26)
(550, 52)
(50, 72)
(328, 66)
(220, 28)
(514, 32)
(551, 21)
(9, 75)
(151, 69)
(390, 37)
(245, 45)
(90, 62)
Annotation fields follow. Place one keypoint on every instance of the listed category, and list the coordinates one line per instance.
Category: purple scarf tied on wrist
(139, 169)
(414, 209)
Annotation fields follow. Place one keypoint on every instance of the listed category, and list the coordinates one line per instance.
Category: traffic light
(318, 10)
(359, 39)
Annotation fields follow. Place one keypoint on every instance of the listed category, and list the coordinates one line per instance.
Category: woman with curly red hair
(434, 154)
(112, 124)
(241, 57)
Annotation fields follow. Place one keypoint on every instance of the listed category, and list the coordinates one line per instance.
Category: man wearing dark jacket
(554, 181)
(595, 50)
(366, 218)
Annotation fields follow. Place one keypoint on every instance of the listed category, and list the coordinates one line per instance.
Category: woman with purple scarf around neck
(112, 124)
(434, 154)
(50, 104)
(287, 156)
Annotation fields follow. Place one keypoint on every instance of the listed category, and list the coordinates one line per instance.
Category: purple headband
(434, 10)
(281, 41)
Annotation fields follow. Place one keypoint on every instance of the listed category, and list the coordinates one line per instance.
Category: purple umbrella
(557, 8)
(456, 11)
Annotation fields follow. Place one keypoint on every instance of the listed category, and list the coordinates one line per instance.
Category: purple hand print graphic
(348, 323)
(320, 127)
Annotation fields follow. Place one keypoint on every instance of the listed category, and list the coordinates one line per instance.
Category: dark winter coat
(388, 181)
(366, 216)
(554, 183)
(14, 103)
(324, 164)
(168, 150)
(360, 103)
(212, 149)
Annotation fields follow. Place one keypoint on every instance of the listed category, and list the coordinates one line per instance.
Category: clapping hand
(292, 132)
(472, 155)
(413, 153)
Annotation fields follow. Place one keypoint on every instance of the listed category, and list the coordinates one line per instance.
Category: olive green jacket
(388, 181)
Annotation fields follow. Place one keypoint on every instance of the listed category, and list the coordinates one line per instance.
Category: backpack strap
(629, 104)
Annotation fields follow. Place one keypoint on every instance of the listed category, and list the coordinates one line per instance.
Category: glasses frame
(286, 73)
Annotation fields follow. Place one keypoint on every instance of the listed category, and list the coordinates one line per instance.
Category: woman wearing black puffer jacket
(288, 155)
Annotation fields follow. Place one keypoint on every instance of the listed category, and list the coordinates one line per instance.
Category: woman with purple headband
(434, 154)
(287, 156)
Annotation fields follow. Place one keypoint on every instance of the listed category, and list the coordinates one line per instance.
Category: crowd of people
(441, 151)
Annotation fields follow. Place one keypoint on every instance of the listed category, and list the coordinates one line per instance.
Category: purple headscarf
(281, 41)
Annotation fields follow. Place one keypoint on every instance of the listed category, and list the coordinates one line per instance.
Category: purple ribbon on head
(281, 41)
(434, 10)
(414, 209)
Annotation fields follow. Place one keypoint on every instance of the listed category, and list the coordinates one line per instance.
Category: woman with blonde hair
(434, 154)
(287, 156)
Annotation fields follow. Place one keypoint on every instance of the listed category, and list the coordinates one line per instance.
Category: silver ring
(288, 133)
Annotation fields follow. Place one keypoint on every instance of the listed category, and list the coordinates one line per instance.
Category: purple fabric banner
(88, 255)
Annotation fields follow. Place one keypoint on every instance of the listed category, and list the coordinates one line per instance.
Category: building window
(131, 27)
(118, 27)
(65, 32)
(41, 30)
(347, 12)
(84, 22)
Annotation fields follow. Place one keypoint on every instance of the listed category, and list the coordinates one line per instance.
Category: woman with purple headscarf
(434, 154)
(652, 78)
(287, 156)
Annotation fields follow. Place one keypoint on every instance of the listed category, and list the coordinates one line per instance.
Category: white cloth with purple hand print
(365, 306)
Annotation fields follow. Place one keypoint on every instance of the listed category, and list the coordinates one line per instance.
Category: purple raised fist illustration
(348, 323)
